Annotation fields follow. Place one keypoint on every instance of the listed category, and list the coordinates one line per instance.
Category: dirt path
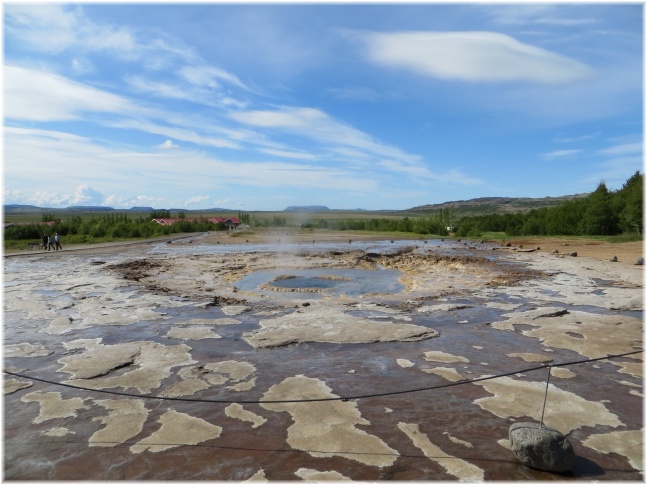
(627, 253)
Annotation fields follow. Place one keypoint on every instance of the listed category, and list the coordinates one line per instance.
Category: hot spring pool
(323, 281)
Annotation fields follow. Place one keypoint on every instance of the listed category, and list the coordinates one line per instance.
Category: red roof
(217, 220)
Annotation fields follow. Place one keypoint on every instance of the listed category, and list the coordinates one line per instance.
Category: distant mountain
(90, 208)
(307, 208)
(10, 207)
(141, 209)
(495, 205)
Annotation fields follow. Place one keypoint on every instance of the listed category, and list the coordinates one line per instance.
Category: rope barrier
(345, 398)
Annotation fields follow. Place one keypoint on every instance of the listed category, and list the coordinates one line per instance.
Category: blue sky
(264, 106)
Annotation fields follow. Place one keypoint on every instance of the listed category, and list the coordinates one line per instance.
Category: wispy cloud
(318, 126)
(161, 172)
(534, 14)
(559, 154)
(209, 76)
(56, 28)
(290, 154)
(623, 149)
(472, 57)
(613, 171)
(577, 139)
(32, 95)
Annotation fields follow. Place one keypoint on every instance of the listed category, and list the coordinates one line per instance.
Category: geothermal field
(301, 357)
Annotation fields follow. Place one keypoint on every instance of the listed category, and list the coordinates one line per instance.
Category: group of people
(50, 242)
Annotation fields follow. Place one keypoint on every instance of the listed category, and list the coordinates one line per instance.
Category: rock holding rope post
(541, 447)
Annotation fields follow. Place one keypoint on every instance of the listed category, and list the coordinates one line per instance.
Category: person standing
(57, 241)
(51, 242)
(45, 241)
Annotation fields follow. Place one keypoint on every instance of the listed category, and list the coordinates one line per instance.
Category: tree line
(436, 223)
(601, 213)
(108, 226)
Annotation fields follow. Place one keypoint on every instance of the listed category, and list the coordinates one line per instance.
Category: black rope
(346, 398)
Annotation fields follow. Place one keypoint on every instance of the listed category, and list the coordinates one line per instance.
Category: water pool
(322, 281)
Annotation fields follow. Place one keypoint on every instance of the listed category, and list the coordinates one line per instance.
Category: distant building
(230, 222)
(167, 222)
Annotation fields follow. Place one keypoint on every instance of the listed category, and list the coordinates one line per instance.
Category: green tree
(161, 214)
(629, 204)
(599, 218)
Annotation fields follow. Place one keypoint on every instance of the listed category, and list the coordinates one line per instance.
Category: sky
(351, 106)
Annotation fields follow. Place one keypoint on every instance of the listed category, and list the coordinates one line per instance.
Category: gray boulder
(640, 262)
(541, 447)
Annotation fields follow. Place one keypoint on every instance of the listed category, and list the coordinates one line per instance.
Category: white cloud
(576, 139)
(159, 89)
(424, 174)
(83, 195)
(32, 95)
(316, 125)
(167, 145)
(614, 172)
(56, 28)
(209, 76)
(198, 199)
(623, 149)
(81, 66)
(559, 154)
(290, 154)
(529, 13)
(189, 92)
(173, 132)
(126, 202)
(471, 56)
(120, 171)
(86, 195)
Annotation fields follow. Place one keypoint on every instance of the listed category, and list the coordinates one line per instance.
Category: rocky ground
(152, 361)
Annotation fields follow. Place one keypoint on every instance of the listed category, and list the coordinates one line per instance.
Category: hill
(307, 208)
(494, 205)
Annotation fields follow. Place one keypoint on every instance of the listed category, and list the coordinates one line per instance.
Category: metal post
(541, 422)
